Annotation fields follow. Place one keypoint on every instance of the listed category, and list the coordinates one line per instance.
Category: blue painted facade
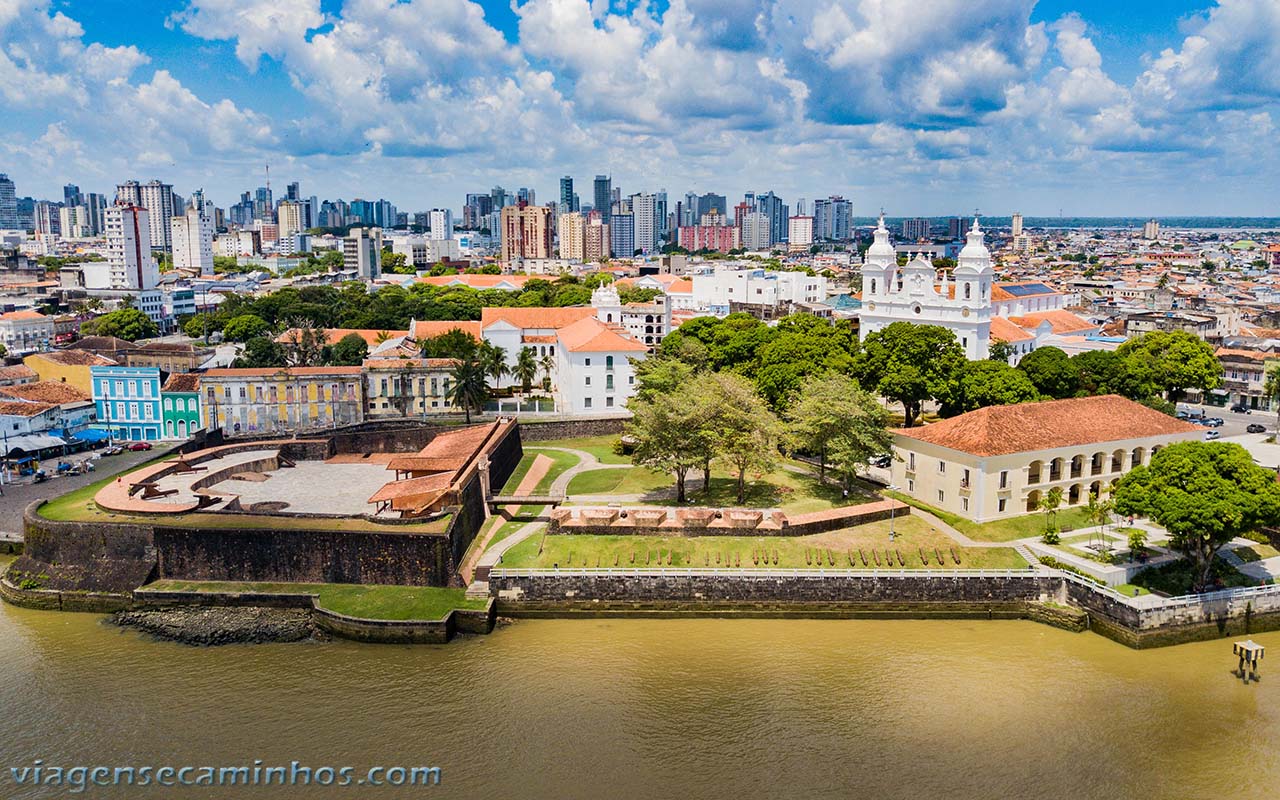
(127, 400)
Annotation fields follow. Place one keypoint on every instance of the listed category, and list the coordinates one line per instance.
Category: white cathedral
(914, 293)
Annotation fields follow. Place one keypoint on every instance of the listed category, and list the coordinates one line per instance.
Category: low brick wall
(533, 430)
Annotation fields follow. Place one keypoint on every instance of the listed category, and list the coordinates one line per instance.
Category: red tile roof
(182, 382)
(1026, 427)
(1005, 330)
(420, 329)
(1060, 321)
(590, 335)
(54, 392)
(335, 335)
(536, 318)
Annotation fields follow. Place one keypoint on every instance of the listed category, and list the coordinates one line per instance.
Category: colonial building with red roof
(1000, 461)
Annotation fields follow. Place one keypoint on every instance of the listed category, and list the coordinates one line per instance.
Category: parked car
(139, 446)
(1239, 408)
(1183, 414)
(1254, 427)
(114, 450)
(883, 460)
(1209, 435)
(1214, 422)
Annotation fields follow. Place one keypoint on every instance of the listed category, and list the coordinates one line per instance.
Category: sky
(929, 107)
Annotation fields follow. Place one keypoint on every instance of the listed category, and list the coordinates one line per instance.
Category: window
(588, 380)
(941, 496)
(1001, 504)
(168, 404)
(586, 403)
(964, 479)
(911, 486)
(942, 468)
(911, 461)
(608, 381)
(964, 503)
(608, 401)
(608, 362)
(588, 362)
(1004, 479)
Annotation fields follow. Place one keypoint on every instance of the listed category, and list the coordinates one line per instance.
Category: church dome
(881, 248)
(974, 254)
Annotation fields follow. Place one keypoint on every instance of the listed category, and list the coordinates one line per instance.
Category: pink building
(720, 238)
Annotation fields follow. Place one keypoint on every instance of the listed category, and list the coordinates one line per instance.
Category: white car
(1211, 434)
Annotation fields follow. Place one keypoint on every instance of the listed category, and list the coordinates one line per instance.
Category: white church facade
(914, 293)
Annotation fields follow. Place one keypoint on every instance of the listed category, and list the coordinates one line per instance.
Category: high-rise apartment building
(290, 218)
(915, 229)
(129, 261)
(48, 219)
(568, 200)
(8, 203)
(440, 224)
(95, 206)
(362, 252)
(71, 195)
(778, 213)
(1015, 226)
(956, 228)
(603, 196)
(622, 234)
(799, 234)
(596, 240)
(571, 231)
(192, 236)
(157, 199)
(755, 231)
(526, 232)
(644, 212)
(1151, 230)
(833, 219)
(74, 222)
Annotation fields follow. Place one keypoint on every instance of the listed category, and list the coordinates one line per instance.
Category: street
(1233, 424)
(18, 495)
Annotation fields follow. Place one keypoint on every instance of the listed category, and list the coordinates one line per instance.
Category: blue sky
(932, 107)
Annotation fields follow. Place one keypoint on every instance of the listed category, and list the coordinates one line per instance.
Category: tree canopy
(1050, 370)
(1170, 363)
(1204, 494)
(834, 418)
(988, 383)
(126, 323)
(909, 364)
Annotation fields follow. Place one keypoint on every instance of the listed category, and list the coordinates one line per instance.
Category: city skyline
(1158, 110)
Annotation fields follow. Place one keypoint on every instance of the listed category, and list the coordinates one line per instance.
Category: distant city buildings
(1151, 230)
(915, 229)
(362, 252)
(526, 232)
(128, 246)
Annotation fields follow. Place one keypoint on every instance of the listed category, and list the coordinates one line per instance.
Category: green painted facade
(180, 412)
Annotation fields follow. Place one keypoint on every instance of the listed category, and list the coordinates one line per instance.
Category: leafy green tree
(244, 327)
(349, 351)
(526, 368)
(453, 343)
(468, 389)
(260, 353)
(395, 263)
(1204, 494)
(661, 428)
(1170, 363)
(909, 364)
(199, 325)
(744, 430)
(129, 324)
(4, 351)
(659, 375)
(1271, 390)
(1100, 372)
(988, 383)
(835, 418)
(1000, 350)
(1050, 371)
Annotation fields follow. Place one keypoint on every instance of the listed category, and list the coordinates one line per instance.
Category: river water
(623, 709)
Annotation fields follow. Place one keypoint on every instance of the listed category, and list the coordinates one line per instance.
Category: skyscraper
(362, 252)
(622, 235)
(440, 223)
(571, 230)
(1015, 229)
(157, 199)
(129, 258)
(772, 207)
(644, 213)
(915, 229)
(71, 195)
(567, 202)
(192, 234)
(290, 215)
(603, 196)
(833, 219)
(95, 205)
(8, 203)
(526, 232)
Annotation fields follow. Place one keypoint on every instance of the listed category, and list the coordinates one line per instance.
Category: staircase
(478, 590)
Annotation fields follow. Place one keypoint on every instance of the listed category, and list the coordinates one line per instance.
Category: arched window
(608, 362)
(967, 289)
(873, 285)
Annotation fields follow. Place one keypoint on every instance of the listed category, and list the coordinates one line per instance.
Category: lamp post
(892, 509)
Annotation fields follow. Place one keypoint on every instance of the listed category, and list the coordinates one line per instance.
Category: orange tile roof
(55, 392)
(20, 408)
(1059, 321)
(182, 382)
(1005, 330)
(475, 281)
(590, 335)
(1250, 355)
(420, 329)
(268, 372)
(335, 335)
(17, 372)
(410, 363)
(547, 339)
(682, 286)
(536, 318)
(412, 487)
(75, 358)
(1027, 427)
(21, 315)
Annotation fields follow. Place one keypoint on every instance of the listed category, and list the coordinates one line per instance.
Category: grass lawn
(1176, 578)
(78, 506)
(354, 600)
(518, 474)
(636, 480)
(1001, 530)
(790, 491)
(599, 446)
(560, 463)
(508, 527)
(842, 547)
(1256, 552)
(1131, 590)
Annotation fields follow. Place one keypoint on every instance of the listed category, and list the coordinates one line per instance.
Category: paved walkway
(586, 463)
(538, 470)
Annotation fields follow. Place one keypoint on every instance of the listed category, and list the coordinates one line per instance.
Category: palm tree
(1049, 505)
(468, 388)
(526, 368)
(493, 362)
(548, 364)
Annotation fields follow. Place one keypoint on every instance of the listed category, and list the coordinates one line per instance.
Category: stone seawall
(542, 431)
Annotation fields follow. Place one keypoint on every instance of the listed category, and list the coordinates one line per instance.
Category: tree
(744, 431)
(493, 361)
(988, 383)
(1271, 390)
(1100, 372)
(661, 428)
(1050, 371)
(1000, 350)
(453, 343)
(200, 325)
(304, 344)
(350, 351)
(835, 418)
(4, 351)
(1204, 494)
(127, 323)
(1170, 362)
(659, 375)
(244, 327)
(468, 389)
(909, 364)
(1049, 504)
(259, 353)
(548, 364)
(525, 369)
(1098, 511)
